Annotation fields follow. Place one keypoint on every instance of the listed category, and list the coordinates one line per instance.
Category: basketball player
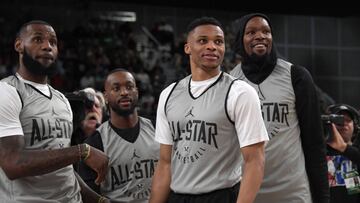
(295, 167)
(35, 129)
(128, 140)
(208, 125)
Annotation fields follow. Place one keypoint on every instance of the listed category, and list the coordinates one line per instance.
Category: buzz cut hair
(32, 22)
(117, 70)
(205, 20)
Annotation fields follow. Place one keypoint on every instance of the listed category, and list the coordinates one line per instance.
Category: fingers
(98, 161)
(101, 174)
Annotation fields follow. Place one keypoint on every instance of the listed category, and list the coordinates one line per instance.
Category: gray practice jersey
(47, 124)
(132, 165)
(206, 151)
(285, 178)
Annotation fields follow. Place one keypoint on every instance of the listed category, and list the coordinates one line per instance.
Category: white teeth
(259, 46)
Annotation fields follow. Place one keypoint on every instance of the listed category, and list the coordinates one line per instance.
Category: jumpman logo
(53, 112)
(261, 95)
(135, 155)
(190, 112)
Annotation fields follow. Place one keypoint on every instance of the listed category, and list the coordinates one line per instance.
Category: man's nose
(46, 45)
(211, 45)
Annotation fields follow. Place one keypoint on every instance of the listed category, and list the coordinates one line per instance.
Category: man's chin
(260, 54)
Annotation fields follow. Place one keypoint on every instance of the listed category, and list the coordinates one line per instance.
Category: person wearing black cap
(295, 166)
(343, 156)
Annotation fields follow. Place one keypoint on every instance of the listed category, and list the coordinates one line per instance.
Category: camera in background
(79, 101)
(327, 120)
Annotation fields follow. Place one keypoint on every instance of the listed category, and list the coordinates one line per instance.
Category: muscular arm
(160, 188)
(18, 162)
(254, 160)
(313, 142)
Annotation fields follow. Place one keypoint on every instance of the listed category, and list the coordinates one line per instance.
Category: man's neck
(123, 122)
(24, 73)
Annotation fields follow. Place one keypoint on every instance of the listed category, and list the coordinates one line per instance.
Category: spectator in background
(89, 113)
(295, 167)
(343, 156)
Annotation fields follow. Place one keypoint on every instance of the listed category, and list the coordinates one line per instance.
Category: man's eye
(202, 41)
(219, 42)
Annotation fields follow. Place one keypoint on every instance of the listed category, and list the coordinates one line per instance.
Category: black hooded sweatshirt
(257, 69)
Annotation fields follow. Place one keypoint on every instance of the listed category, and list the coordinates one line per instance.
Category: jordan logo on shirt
(261, 95)
(190, 113)
(134, 155)
(53, 112)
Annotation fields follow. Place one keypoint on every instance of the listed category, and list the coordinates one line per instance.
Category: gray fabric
(206, 150)
(47, 124)
(285, 178)
(131, 165)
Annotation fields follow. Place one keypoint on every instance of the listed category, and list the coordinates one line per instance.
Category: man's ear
(105, 97)
(187, 49)
(18, 46)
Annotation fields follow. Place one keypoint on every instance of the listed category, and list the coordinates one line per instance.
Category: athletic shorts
(226, 195)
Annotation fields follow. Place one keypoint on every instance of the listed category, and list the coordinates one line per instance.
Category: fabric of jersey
(285, 179)
(207, 131)
(47, 124)
(131, 164)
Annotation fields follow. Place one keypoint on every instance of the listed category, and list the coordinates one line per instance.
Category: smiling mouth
(210, 57)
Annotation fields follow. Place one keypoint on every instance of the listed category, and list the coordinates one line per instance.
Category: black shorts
(227, 195)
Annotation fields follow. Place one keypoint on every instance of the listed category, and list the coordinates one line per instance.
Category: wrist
(85, 151)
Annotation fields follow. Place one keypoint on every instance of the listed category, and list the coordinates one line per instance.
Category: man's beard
(36, 67)
(123, 112)
(258, 59)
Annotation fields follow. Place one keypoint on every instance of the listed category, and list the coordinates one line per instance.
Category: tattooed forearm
(18, 162)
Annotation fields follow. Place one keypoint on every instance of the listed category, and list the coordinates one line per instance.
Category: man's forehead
(207, 30)
(120, 78)
(40, 29)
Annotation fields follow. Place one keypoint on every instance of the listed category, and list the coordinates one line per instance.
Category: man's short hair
(24, 26)
(203, 21)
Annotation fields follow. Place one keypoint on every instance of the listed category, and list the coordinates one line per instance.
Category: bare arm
(160, 188)
(17, 162)
(254, 159)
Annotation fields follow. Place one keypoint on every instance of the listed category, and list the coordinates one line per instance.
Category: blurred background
(147, 37)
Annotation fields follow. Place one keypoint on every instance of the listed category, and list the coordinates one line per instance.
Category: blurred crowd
(89, 51)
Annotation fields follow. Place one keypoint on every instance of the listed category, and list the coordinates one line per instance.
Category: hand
(99, 162)
(337, 142)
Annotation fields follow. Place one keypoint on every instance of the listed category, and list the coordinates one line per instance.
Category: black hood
(256, 69)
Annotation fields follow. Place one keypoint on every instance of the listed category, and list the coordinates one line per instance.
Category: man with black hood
(295, 167)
